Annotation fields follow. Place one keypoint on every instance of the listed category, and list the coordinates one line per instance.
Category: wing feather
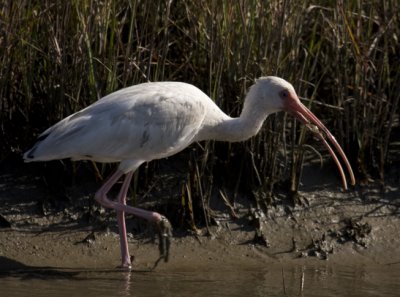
(145, 122)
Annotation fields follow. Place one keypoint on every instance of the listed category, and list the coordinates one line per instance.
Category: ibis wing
(144, 123)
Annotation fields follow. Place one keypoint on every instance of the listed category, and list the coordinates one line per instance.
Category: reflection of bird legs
(121, 207)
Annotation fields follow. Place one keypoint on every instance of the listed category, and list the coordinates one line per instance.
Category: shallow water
(278, 280)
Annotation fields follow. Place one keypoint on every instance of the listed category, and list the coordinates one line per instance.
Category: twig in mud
(228, 204)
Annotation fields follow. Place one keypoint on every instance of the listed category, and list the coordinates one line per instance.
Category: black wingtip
(42, 137)
(29, 155)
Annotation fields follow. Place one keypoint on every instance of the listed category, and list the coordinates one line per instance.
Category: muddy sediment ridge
(360, 226)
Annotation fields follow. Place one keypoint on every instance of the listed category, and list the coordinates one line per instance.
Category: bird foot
(164, 235)
(164, 229)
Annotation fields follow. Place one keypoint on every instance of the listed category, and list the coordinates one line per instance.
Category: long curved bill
(305, 116)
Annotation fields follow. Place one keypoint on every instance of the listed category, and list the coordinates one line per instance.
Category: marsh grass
(341, 56)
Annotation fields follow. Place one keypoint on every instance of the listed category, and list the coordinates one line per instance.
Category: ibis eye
(284, 94)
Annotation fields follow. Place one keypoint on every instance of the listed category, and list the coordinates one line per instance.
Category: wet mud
(356, 227)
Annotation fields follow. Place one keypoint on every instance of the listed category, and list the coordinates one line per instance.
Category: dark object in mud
(354, 231)
(258, 220)
(88, 240)
(261, 239)
(4, 223)
(320, 248)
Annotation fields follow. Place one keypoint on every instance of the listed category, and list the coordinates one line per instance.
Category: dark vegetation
(342, 57)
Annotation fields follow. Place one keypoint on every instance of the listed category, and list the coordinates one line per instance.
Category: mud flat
(357, 227)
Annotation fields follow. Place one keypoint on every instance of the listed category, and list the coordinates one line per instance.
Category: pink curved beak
(304, 115)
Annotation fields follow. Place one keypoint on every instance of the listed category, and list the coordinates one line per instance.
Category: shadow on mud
(12, 268)
(15, 269)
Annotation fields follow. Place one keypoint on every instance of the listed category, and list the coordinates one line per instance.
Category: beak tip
(352, 183)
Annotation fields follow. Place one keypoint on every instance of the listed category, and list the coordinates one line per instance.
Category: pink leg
(121, 207)
(126, 259)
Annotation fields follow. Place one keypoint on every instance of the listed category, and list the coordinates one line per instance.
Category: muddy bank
(357, 227)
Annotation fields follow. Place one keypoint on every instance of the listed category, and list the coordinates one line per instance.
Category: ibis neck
(238, 129)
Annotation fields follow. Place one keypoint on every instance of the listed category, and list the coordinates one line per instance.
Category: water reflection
(277, 280)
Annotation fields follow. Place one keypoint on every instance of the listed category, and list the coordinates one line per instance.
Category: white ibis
(159, 119)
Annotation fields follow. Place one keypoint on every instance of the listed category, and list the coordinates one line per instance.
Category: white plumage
(142, 122)
(155, 120)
